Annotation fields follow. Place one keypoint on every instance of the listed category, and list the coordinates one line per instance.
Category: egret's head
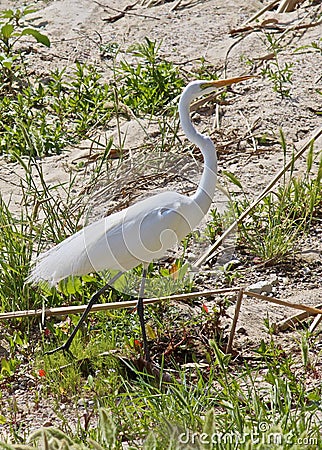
(204, 87)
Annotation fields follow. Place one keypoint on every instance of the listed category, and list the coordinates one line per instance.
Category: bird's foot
(63, 348)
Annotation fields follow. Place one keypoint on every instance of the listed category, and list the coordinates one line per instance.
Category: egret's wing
(141, 233)
(153, 232)
(70, 257)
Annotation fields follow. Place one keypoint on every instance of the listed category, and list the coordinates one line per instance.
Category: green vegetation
(151, 84)
(273, 229)
(42, 117)
(264, 403)
(278, 73)
(315, 46)
(12, 30)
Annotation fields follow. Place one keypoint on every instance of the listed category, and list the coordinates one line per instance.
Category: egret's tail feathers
(40, 274)
(69, 257)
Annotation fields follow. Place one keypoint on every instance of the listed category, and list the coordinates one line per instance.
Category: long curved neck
(206, 188)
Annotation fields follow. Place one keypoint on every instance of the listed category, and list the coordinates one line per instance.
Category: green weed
(315, 46)
(274, 227)
(150, 85)
(43, 119)
(12, 30)
(15, 254)
(47, 115)
(279, 74)
(233, 406)
(216, 226)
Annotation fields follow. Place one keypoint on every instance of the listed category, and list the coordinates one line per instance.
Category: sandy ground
(195, 30)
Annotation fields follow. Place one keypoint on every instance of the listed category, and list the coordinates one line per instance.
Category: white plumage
(141, 233)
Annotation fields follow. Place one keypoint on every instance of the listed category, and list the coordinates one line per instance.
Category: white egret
(144, 231)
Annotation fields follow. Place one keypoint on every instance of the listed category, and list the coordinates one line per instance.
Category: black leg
(65, 347)
(140, 310)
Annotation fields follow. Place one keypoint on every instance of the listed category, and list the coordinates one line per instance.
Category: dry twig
(315, 323)
(260, 12)
(290, 322)
(122, 12)
(309, 309)
(234, 324)
(64, 310)
(273, 24)
(288, 5)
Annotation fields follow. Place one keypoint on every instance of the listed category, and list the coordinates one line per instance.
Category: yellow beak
(226, 82)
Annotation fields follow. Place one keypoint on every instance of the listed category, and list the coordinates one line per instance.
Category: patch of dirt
(193, 31)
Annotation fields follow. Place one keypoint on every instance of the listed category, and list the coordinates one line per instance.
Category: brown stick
(233, 326)
(315, 323)
(122, 13)
(219, 241)
(297, 318)
(273, 25)
(309, 309)
(288, 5)
(60, 311)
(261, 11)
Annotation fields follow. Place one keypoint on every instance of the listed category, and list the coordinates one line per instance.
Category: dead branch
(289, 322)
(234, 324)
(65, 310)
(315, 323)
(273, 24)
(260, 12)
(288, 5)
(122, 12)
(309, 309)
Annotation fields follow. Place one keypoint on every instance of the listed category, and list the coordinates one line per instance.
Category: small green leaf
(150, 332)
(283, 141)
(5, 367)
(3, 420)
(71, 286)
(7, 63)
(233, 179)
(314, 397)
(7, 30)
(27, 11)
(309, 160)
(7, 14)
(41, 38)
(222, 360)
(319, 174)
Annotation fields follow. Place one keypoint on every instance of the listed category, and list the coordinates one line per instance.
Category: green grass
(152, 83)
(45, 118)
(13, 28)
(274, 228)
(263, 404)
